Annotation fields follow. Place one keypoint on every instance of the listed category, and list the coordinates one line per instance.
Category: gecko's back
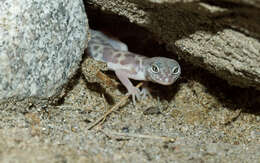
(115, 54)
(100, 43)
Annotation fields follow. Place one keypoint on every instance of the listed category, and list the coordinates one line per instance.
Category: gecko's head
(162, 70)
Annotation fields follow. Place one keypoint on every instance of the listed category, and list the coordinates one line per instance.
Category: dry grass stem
(114, 108)
(163, 138)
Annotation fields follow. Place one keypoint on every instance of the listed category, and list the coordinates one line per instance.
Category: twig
(114, 108)
(106, 80)
(164, 138)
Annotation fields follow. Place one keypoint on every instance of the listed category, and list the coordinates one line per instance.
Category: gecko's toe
(145, 92)
(133, 99)
(135, 93)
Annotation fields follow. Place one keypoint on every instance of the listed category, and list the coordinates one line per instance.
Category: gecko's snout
(167, 80)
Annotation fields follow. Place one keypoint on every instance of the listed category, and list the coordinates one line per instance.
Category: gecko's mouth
(166, 81)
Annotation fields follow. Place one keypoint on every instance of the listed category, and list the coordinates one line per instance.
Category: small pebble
(152, 110)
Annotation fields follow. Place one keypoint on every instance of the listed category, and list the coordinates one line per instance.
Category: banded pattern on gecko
(128, 65)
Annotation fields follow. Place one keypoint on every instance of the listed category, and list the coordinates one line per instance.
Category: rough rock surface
(220, 36)
(41, 46)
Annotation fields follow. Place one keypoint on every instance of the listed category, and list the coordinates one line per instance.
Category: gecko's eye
(155, 69)
(175, 70)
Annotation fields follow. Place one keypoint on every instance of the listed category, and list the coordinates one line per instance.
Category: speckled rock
(41, 46)
(221, 36)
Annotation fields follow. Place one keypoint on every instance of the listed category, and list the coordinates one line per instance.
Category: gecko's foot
(145, 92)
(135, 93)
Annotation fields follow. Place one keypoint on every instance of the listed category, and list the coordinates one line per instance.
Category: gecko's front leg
(123, 76)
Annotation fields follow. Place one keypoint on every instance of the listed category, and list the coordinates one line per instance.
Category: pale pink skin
(128, 65)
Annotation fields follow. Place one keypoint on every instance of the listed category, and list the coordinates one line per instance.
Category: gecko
(128, 65)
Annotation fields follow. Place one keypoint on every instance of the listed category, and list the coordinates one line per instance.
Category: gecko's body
(128, 65)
